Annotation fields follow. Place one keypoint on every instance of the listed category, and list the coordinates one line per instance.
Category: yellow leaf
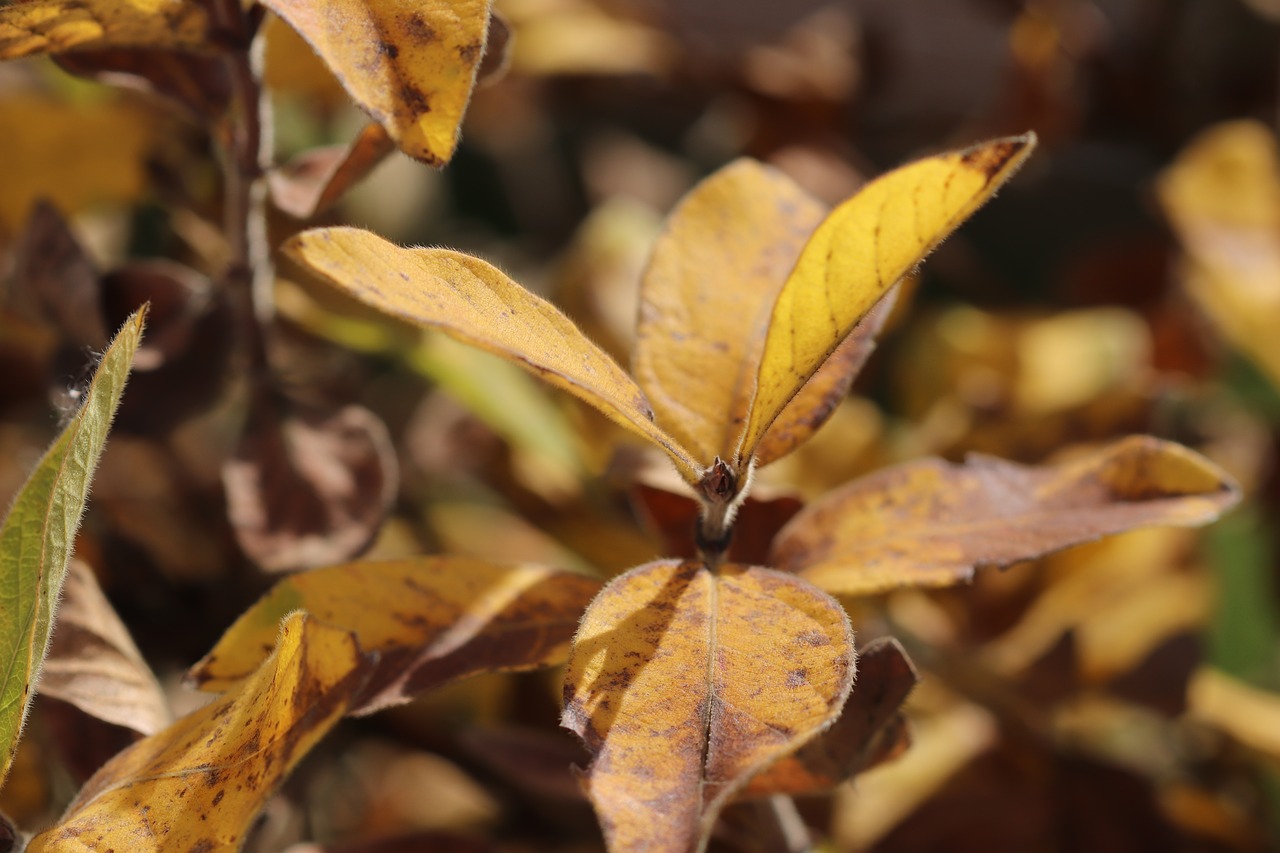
(431, 619)
(861, 250)
(475, 303)
(411, 66)
(684, 684)
(197, 784)
(705, 299)
(930, 523)
(54, 26)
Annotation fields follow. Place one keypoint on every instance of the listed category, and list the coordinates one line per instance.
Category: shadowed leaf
(411, 68)
(861, 250)
(684, 684)
(931, 523)
(305, 489)
(94, 664)
(475, 303)
(432, 620)
(39, 533)
(55, 274)
(54, 26)
(199, 84)
(197, 784)
(317, 179)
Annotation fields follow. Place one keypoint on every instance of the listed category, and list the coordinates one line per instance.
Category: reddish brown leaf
(315, 180)
(305, 489)
(537, 760)
(56, 278)
(199, 84)
(931, 523)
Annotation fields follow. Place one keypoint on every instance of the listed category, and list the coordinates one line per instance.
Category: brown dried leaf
(93, 663)
(54, 26)
(684, 684)
(432, 620)
(315, 180)
(411, 68)
(197, 784)
(931, 523)
(199, 84)
(870, 729)
(305, 489)
(538, 760)
(56, 277)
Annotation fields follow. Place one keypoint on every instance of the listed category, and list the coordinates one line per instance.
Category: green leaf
(39, 532)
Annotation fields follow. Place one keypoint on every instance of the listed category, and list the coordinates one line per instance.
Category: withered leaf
(315, 180)
(94, 664)
(684, 684)
(305, 489)
(197, 784)
(199, 84)
(431, 619)
(54, 26)
(870, 729)
(411, 68)
(55, 276)
(931, 523)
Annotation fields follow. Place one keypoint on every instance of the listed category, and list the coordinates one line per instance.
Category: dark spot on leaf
(796, 677)
(414, 98)
(419, 30)
(217, 798)
(470, 53)
(388, 49)
(989, 159)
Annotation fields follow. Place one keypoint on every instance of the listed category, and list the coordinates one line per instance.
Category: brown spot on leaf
(419, 30)
(470, 53)
(990, 159)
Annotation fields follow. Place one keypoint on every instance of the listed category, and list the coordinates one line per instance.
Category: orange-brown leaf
(475, 303)
(431, 619)
(412, 67)
(684, 684)
(931, 523)
(197, 784)
(317, 179)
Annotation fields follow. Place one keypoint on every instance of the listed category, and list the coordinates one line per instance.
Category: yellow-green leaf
(475, 303)
(431, 619)
(684, 684)
(931, 523)
(39, 533)
(54, 26)
(865, 246)
(197, 784)
(412, 67)
(706, 295)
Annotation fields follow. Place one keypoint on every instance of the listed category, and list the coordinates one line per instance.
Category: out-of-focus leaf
(704, 305)
(931, 523)
(869, 730)
(197, 784)
(304, 490)
(54, 26)
(1244, 633)
(411, 69)
(684, 684)
(39, 533)
(94, 664)
(73, 155)
(1248, 714)
(861, 250)
(1223, 197)
(315, 180)
(53, 271)
(475, 303)
(540, 761)
(579, 37)
(432, 620)
(200, 84)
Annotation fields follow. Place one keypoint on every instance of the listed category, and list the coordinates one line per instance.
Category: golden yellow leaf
(931, 523)
(684, 684)
(1223, 197)
(431, 619)
(53, 26)
(197, 784)
(411, 66)
(706, 295)
(475, 303)
(861, 250)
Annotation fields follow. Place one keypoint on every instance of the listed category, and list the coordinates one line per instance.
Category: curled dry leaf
(305, 489)
(871, 729)
(684, 684)
(431, 619)
(94, 664)
(931, 523)
(860, 251)
(39, 532)
(475, 303)
(201, 780)
(411, 68)
(54, 26)
(315, 180)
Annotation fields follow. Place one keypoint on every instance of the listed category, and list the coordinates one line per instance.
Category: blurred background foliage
(1118, 696)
